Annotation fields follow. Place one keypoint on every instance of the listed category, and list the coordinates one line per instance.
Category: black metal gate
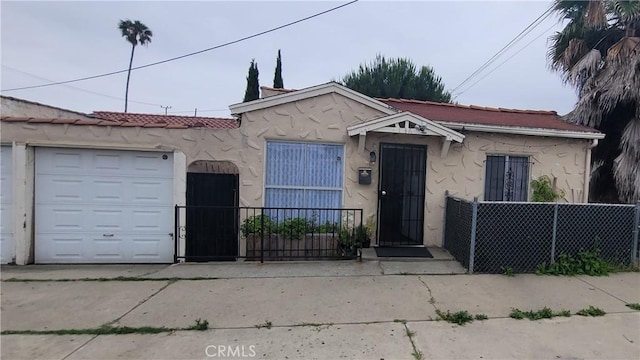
(401, 194)
(212, 217)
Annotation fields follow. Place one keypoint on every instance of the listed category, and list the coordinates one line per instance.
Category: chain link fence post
(444, 221)
(555, 232)
(474, 222)
(636, 230)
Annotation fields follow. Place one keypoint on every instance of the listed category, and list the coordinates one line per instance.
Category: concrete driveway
(312, 311)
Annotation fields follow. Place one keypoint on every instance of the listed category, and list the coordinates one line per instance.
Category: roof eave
(310, 92)
(523, 130)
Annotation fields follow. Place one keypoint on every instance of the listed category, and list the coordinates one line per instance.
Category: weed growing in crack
(417, 354)
(267, 324)
(544, 313)
(200, 325)
(508, 271)
(458, 317)
(591, 311)
(634, 306)
(481, 317)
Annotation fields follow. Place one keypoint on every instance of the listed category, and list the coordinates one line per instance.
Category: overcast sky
(60, 41)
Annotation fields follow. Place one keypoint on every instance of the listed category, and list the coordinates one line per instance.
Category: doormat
(403, 252)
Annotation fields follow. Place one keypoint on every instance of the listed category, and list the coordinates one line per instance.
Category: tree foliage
(253, 86)
(598, 52)
(135, 33)
(278, 83)
(397, 78)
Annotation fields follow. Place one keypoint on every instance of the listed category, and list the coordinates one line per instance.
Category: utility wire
(509, 58)
(189, 54)
(75, 87)
(516, 39)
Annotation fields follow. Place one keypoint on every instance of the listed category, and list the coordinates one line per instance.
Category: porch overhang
(406, 123)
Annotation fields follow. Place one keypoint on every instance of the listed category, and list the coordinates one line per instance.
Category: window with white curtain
(304, 175)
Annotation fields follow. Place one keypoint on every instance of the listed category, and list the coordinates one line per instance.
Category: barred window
(506, 178)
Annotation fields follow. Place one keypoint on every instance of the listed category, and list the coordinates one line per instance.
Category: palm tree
(136, 33)
(598, 52)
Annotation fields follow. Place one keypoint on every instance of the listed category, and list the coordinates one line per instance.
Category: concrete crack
(140, 303)
(432, 300)
(80, 347)
(417, 354)
(604, 291)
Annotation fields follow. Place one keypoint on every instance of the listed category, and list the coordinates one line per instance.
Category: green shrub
(543, 190)
(294, 228)
(258, 224)
(586, 263)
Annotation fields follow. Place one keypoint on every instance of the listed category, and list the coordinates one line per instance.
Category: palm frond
(627, 164)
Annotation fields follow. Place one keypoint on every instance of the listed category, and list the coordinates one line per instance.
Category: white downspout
(587, 170)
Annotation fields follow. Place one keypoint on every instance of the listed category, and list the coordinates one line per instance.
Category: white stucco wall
(325, 119)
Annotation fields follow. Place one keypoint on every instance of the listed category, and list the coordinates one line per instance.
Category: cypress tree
(277, 79)
(253, 87)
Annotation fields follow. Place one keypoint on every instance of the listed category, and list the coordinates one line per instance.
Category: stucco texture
(325, 119)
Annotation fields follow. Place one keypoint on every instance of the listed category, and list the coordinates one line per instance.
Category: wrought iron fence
(489, 237)
(214, 233)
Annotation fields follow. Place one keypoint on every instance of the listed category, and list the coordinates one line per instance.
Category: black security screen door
(212, 217)
(401, 194)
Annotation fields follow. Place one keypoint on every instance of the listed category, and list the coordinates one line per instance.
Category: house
(103, 190)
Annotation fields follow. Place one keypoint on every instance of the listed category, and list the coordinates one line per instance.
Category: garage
(103, 206)
(7, 244)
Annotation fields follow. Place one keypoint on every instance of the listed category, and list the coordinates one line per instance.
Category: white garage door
(7, 246)
(103, 206)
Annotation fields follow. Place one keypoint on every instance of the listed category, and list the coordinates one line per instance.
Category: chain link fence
(489, 237)
(457, 239)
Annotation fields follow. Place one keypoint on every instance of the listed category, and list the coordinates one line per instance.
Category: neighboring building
(17, 108)
(104, 190)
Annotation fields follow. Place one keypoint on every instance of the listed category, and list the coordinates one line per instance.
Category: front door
(401, 194)
(212, 217)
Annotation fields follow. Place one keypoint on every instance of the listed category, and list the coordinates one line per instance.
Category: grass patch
(591, 311)
(481, 317)
(104, 279)
(200, 325)
(544, 313)
(458, 317)
(634, 306)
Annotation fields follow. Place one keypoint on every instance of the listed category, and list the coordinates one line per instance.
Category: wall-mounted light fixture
(372, 158)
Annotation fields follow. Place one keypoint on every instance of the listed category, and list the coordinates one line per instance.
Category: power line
(189, 54)
(509, 58)
(516, 39)
(75, 87)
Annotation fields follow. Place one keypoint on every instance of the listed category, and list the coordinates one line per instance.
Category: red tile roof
(103, 118)
(165, 120)
(470, 114)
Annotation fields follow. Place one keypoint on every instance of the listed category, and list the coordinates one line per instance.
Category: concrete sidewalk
(313, 310)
